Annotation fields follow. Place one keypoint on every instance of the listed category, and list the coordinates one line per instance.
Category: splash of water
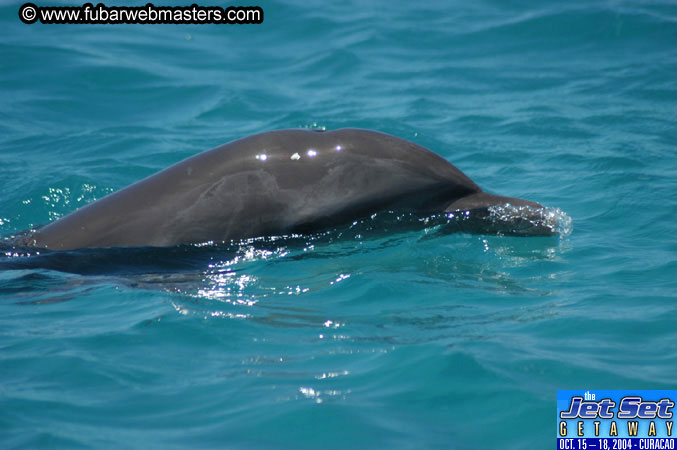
(525, 218)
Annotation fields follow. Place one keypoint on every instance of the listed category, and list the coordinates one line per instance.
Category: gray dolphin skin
(268, 184)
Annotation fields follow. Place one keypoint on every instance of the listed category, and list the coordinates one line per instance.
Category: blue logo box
(605, 419)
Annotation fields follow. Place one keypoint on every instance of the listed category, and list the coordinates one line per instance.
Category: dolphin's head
(489, 213)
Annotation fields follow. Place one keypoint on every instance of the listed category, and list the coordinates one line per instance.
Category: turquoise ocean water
(401, 340)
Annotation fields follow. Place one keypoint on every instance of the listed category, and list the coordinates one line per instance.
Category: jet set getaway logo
(615, 420)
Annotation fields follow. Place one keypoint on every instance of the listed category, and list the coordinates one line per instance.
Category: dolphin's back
(267, 184)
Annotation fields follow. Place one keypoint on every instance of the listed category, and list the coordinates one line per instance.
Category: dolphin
(271, 184)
